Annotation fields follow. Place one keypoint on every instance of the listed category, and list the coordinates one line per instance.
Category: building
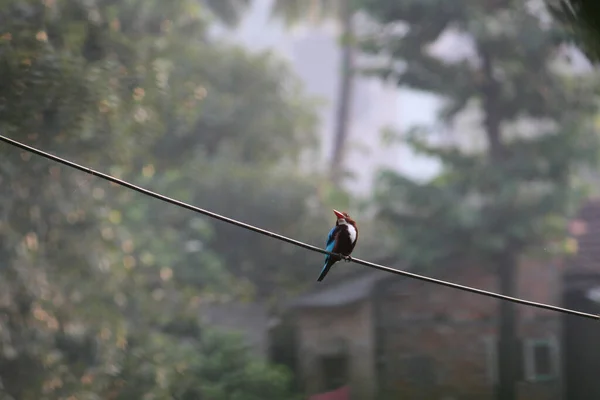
(391, 337)
(335, 336)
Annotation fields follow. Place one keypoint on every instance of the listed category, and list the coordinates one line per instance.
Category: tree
(489, 205)
(233, 157)
(342, 11)
(95, 278)
(49, 97)
(227, 11)
(219, 360)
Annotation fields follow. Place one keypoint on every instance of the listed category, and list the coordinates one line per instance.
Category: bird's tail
(328, 263)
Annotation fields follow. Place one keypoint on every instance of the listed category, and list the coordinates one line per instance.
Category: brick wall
(437, 342)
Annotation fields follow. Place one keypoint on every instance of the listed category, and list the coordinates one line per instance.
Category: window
(541, 360)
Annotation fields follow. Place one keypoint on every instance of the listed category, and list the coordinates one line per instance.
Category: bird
(341, 240)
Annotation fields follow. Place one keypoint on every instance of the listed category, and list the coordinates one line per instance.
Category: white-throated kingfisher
(341, 240)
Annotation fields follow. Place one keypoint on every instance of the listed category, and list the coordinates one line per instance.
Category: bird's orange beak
(338, 214)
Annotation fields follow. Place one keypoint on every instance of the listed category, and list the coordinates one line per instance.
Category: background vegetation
(101, 289)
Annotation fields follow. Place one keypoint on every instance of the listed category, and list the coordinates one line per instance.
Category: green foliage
(512, 195)
(101, 286)
(218, 366)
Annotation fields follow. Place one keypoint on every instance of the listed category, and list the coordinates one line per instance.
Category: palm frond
(582, 18)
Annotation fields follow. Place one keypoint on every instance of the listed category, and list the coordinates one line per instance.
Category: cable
(289, 240)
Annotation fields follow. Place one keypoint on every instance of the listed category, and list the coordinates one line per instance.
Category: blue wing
(330, 245)
(331, 236)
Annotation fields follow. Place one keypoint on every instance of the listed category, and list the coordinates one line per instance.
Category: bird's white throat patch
(351, 230)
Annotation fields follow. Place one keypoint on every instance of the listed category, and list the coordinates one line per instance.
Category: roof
(352, 288)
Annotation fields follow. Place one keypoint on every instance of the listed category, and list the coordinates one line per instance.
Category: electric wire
(294, 242)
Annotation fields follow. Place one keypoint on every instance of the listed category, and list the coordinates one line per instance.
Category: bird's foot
(347, 258)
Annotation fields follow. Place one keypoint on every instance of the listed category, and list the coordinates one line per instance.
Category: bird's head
(343, 217)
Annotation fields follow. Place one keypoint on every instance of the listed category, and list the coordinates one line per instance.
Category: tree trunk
(491, 90)
(507, 268)
(345, 93)
(508, 343)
